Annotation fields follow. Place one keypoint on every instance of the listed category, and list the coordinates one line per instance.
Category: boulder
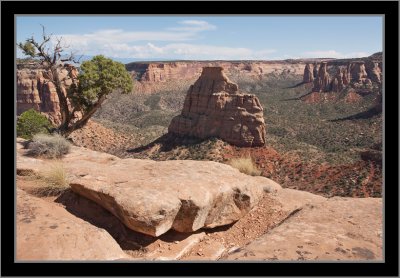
(214, 107)
(46, 231)
(153, 197)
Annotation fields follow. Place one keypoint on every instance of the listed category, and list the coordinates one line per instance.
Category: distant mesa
(214, 107)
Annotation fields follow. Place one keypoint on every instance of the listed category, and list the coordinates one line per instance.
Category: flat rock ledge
(153, 197)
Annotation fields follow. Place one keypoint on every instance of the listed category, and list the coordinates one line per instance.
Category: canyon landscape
(155, 174)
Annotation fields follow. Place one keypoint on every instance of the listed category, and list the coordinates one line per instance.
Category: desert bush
(32, 122)
(49, 146)
(53, 181)
(245, 165)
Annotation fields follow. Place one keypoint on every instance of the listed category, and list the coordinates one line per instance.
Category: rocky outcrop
(357, 72)
(214, 107)
(285, 224)
(315, 69)
(322, 80)
(34, 90)
(46, 231)
(308, 74)
(374, 71)
(338, 83)
(153, 73)
(334, 229)
(153, 197)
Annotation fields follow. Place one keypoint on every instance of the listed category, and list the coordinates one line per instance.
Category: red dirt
(359, 179)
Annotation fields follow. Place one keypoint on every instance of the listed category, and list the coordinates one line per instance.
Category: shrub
(49, 146)
(53, 181)
(245, 165)
(32, 122)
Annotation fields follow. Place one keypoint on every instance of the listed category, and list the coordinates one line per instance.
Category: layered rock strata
(35, 90)
(214, 107)
(153, 197)
(308, 74)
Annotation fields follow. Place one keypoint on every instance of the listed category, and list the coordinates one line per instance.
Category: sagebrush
(49, 146)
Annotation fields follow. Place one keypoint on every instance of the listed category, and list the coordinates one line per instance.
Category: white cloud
(194, 26)
(332, 54)
(119, 43)
(180, 51)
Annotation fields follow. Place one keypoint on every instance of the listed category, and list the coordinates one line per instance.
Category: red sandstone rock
(322, 80)
(308, 74)
(214, 108)
(34, 90)
(337, 83)
(357, 72)
(374, 71)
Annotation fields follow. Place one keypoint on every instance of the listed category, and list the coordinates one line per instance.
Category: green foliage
(49, 146)
(27, 48)
(100, 77)
(31, 122)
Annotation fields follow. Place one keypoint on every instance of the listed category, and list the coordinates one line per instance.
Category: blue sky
(211, 37)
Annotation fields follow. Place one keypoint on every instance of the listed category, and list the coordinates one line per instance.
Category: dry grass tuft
(245, 165)
(53, 181)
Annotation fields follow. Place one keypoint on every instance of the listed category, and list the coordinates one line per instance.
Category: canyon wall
(35, 90)
(335, 75)
(155, 72)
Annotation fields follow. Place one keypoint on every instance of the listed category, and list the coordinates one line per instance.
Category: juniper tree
(97, 78)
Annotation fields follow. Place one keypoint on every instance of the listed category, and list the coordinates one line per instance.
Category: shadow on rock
(98, 216)
(168, 142)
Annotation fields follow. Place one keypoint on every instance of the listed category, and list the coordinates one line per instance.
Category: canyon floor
(310, 146)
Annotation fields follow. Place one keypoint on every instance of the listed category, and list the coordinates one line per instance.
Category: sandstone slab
(153, 197)
(46, 231)
(336, 229)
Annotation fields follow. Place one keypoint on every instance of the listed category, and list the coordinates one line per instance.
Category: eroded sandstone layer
(214, 107)
(153, 197)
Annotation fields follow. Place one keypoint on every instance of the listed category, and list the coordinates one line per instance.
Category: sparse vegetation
(245, 165)
(53, 181)
(49, 146)
(32, 122)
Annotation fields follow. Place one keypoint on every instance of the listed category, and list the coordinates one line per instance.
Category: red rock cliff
(34, 90)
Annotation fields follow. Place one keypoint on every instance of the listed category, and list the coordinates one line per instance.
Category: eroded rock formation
(337, 83)
(322, 80)
(374, 71)
(308, 74)
(34, 90)
(357, 72)
(153, 197)
(214, 108)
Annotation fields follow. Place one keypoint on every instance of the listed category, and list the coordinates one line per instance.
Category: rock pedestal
(214, 108)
